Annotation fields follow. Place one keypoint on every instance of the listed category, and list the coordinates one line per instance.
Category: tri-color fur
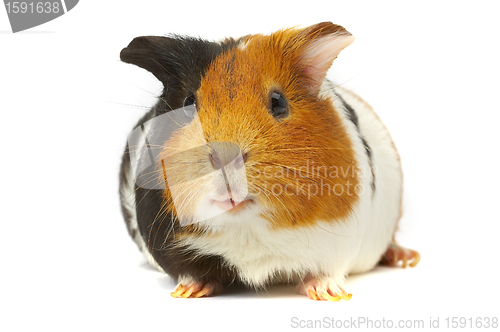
(331, 140)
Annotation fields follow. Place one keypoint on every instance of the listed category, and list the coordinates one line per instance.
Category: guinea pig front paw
(191, 288)
(323, 289)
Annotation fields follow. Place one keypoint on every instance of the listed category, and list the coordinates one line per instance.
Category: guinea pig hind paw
(193, 289)
(395, 254)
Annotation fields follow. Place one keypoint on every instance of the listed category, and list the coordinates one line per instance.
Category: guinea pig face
(262, 143)
(207, 182)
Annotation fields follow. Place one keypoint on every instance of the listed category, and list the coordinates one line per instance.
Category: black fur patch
(351, 114)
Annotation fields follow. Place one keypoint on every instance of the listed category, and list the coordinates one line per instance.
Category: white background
(430, 69)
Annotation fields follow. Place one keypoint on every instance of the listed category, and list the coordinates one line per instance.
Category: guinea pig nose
(226, 153)
(218, 162)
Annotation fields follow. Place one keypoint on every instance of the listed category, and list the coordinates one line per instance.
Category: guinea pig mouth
(231, 205)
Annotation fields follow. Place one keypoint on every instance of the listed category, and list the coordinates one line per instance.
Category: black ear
(174, 59)
(152, 53)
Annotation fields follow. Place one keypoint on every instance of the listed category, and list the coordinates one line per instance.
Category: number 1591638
(32, 7)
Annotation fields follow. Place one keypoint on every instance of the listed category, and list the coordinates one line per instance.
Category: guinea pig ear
(323, 43)
(150, 53)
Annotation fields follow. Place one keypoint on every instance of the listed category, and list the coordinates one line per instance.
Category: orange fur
(232, 103)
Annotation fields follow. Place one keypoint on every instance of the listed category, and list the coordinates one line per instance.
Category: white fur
(332, 250)
(385, 207)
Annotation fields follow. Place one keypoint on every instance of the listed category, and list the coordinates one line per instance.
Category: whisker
(129, 105)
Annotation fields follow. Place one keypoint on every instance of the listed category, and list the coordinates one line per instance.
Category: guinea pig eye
(278, 105)
(189, 106)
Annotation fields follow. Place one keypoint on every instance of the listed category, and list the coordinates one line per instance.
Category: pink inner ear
(319, 54)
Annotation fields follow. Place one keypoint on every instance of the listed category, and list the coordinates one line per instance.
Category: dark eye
(190, 106)
(278, 105)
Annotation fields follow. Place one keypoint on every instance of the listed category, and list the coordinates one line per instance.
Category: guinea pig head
(261, 141)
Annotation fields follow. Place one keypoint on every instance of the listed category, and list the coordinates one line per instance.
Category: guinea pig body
(280, 176)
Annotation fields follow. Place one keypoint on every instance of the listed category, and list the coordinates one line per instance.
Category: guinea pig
(254, 169)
